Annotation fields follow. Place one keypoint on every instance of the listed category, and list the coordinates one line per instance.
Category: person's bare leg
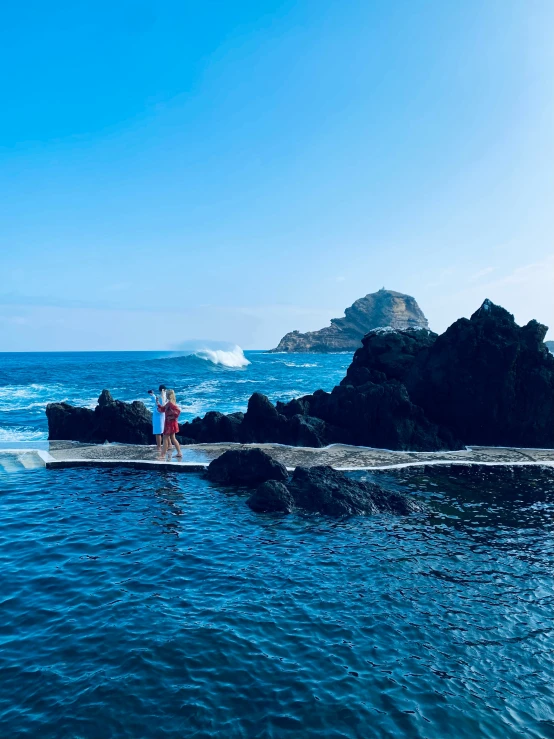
(176, 445)
(165, 445)
(159, 442)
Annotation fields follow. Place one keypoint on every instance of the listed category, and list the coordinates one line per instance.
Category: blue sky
(233, 171)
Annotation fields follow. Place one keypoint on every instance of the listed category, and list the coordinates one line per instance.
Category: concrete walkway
(63, 454)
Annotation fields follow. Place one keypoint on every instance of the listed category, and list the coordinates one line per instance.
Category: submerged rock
(271, 496)
(383, 308)
(245, 467)
(325, 490)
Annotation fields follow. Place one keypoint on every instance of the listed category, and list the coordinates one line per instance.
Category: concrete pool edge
(196, 458)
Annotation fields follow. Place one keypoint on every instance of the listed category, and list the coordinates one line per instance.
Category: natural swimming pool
(153, 604)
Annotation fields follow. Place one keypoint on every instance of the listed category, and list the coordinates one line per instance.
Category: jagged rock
(308, 431)
(105, 398)
(485, 381)
(111, 420)
(214, 427)
(383, 308)
(325, 490)
(262, 422)
(490, 381)
(271, 496)
(245, 467)
(378, 415)
(388, 355)
(65, 421)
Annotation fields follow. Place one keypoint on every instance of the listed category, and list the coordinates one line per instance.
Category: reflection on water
(156, 605)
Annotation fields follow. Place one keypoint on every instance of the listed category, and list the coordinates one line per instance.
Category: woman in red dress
(171, 427)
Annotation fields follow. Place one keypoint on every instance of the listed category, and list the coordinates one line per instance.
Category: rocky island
(383, 308)
(484, 381)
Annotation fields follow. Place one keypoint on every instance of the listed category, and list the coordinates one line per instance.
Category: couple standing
(164, 420)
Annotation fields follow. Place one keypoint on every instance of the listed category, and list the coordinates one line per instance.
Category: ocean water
(155, 604)
(210, 380)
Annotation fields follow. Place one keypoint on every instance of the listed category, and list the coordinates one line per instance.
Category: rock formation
(272, 497)
(490, 381)
(325, 490)
(485, 381)
(383, 308)
(111, 420)
(318, 489)
(245, 467)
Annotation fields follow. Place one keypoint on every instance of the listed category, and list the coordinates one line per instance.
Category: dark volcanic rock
(485, 381)
(214, 427)
(308, 431)
(271, 496)
(262, 422)
(326, 490)
(383, 308)
(245, 467)
(378, 414)
(111, 420)
(490, 381)
(66, 422)
(388, 355)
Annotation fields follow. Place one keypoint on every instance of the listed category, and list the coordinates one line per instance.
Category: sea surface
(151, 604)
(209, 380)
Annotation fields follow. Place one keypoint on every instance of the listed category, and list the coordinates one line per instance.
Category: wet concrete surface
(61, 454)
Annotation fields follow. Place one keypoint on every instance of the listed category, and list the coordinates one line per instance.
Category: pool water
(149, 604)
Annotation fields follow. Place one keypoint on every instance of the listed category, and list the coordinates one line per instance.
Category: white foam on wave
(225, 357)
(21, 433)
(194, 407)
(24, 397)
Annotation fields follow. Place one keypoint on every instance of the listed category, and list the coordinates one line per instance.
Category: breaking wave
(226, 357)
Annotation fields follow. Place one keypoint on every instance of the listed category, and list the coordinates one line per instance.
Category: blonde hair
(171, 396)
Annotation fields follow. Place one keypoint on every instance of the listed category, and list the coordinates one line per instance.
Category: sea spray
(227, 358)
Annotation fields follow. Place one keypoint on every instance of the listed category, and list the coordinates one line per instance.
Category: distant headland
(383, 308)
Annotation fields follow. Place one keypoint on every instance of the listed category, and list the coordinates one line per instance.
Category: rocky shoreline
(484, 381)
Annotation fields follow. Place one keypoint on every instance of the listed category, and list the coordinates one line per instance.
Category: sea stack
(385, 308)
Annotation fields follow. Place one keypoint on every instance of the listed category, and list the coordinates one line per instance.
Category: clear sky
(236, 170)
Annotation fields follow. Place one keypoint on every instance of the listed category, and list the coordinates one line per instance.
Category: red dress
(172, 413)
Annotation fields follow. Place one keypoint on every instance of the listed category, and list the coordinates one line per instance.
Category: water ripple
(156, 605)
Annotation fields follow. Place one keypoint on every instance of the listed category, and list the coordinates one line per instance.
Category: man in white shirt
(158, 419)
